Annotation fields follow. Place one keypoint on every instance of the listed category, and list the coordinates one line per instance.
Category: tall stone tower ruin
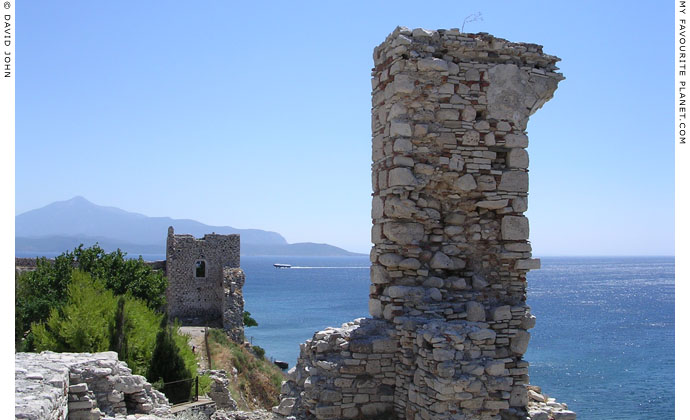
(451, 250)
(205, 281)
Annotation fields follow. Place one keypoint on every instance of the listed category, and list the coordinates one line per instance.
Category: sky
(257, 114)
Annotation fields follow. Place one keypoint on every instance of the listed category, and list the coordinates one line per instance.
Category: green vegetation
(84, 323)
(248, 320)
(90, 301)
(168, 365)
(38, 292)
(257, 378)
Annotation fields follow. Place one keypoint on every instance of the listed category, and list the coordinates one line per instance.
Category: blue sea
(603, 343)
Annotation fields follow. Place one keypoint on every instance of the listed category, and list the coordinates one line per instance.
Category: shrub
(94, 319)
(259, 351)
(46, 288)
(168, 365)
(84, 324)
(248, 320)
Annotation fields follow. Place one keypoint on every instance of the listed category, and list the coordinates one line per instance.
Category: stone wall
(200, 300)
(77, 386)
(451, 250)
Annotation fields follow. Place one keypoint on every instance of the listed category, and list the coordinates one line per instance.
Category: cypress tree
(167, 365)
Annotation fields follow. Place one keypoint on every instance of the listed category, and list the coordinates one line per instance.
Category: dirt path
(197, 343)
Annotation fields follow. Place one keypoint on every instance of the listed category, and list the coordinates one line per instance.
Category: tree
(84, 324)
(167, 365)
(38, 292)
(248, 321)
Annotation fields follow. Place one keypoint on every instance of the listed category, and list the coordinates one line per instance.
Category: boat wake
(310, 268)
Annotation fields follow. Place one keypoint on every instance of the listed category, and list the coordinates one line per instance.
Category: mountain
(63, 225)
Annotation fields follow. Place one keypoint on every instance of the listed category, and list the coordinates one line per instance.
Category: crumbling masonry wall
(451, 250)
(213, 295)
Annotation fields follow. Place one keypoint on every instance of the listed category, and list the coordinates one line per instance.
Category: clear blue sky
(257, 114)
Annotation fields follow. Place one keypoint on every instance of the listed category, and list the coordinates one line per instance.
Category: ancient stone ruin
(205, 281)
(81, 386)
(449, 324)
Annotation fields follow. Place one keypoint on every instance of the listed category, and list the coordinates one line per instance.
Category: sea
(603, 342)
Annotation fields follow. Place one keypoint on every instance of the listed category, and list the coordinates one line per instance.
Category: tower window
(200, 269)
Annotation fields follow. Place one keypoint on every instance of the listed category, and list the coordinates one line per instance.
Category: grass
(258, 380)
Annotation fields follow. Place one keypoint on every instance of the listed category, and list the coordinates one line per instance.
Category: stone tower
(205, 281)
(451, 250)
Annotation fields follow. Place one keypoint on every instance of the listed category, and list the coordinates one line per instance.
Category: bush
(38, 292)
(94, 319)
(259, 351)
(168, 365)
(248, 320)
(84, 324)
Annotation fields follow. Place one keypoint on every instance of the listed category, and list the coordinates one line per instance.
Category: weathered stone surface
(400, 129)
(401, 177)
(475, 311)
(466, 183)
(48, 385)
(518, 344)
(404, 233)
(514, 228)
(432, 64)
(516, 181)
(501, 313)
(531, 264)
(441, 261)
(493, 204)
(517, 158)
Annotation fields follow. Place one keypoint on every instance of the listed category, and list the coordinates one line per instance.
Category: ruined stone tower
(451, 250)
(205, 281)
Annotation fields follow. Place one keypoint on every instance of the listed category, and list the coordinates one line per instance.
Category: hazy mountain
(63, 225)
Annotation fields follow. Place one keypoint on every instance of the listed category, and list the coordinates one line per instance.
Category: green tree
(168, 365)
(94, 319)
(248, 320)
(84, 324)
(38, 292)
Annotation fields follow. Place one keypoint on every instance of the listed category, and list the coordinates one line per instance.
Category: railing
(176, 392)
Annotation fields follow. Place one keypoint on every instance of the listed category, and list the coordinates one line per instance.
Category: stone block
(475, 311)
(404, 233)
(514, 228)
(514, 181)
(530, 264)
(517, 158)
(432, 64)
(501, 313)
(401, 177)
(518, 344)
(400, 129)
(466, 183)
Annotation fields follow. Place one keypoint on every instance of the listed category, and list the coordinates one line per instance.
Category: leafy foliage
(94, 320)
(259, 351)
(84, 324)
(38, 292)
(248, 320)
(173, 360)
(140, 331)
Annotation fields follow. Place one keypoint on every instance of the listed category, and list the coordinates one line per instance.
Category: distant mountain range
(63, 225)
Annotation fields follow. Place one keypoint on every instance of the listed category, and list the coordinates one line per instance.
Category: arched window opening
(200, 269)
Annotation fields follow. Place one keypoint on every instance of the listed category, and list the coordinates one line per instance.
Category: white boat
(282, 265)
